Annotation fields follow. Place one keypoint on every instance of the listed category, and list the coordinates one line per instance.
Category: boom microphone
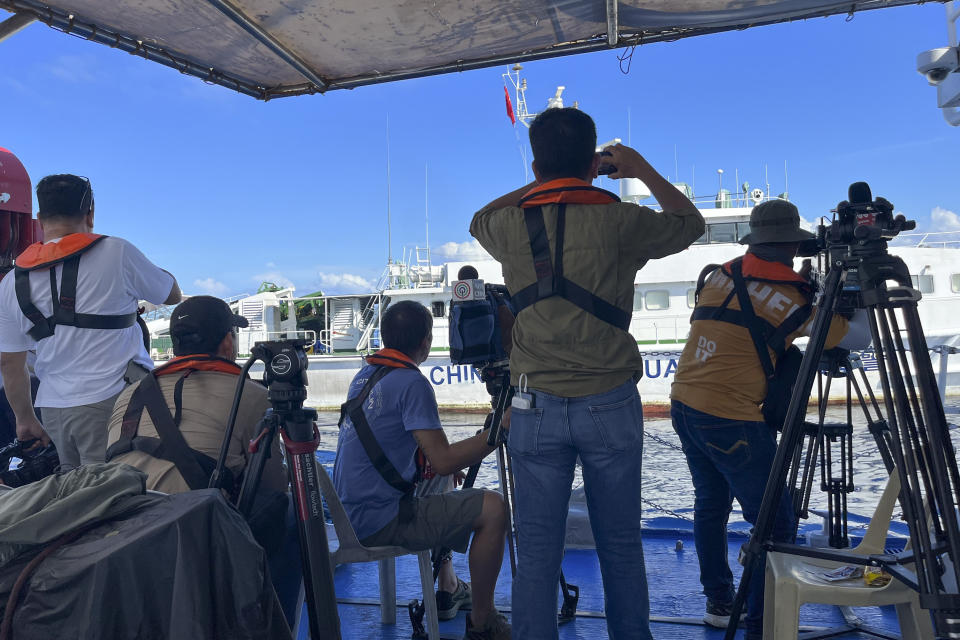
(859, 193)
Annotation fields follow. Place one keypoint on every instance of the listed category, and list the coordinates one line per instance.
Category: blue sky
(225, 191)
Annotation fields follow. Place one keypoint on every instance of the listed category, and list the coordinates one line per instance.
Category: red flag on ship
(506, 95)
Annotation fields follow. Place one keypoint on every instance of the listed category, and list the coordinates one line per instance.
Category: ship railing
(369, 320)
(664, 330)
(249, 337)
(930, 240)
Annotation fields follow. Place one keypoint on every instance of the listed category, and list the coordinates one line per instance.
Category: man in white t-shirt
(82, 322)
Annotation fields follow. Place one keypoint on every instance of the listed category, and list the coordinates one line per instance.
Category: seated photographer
(197, 389)
(721, 385)
(391, 415)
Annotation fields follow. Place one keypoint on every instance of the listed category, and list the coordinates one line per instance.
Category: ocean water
(667, 488)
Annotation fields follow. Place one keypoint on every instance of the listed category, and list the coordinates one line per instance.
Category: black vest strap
(194, 466)
(751, 320)
(64, 303)
(550, 279)
(763, 333)
(353, 408)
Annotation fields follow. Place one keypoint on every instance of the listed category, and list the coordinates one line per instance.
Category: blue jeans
(606, 431)
(728, 459)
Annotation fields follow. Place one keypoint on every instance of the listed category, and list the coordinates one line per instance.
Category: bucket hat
(775, 221)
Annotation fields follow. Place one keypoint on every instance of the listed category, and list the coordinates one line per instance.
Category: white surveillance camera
(937, 64)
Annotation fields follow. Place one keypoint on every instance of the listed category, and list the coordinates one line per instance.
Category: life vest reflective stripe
(550, 278)
(774, 337)
(39, 257)
(386, 361)
(195, 467)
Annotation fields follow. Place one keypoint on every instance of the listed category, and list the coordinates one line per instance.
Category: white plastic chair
(350, 551)
(789, 583)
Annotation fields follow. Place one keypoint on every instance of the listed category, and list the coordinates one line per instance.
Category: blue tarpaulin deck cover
(276, 48)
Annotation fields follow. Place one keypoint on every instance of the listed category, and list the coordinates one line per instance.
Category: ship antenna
(786, 187)
(426, 210)
(676, 165)
(389, 243)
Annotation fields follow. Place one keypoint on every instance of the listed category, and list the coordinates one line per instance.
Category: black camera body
(35, 464)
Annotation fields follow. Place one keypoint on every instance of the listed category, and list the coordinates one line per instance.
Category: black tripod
(285, 365)
(920, 447)
(831, 444)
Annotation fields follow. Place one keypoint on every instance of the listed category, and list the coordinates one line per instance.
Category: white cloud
(210, 286)
(344, 282)
(275, 277)
(944, 220)
(462, 251)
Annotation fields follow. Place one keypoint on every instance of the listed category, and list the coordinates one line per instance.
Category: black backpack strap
(750, 320)
(353, 409)
(42, 325)
(174, 447)
(550, 279)
(161, 447)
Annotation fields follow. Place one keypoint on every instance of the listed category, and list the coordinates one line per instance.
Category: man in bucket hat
(720, 387)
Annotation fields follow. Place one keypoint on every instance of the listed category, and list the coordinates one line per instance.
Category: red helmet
(15, 192)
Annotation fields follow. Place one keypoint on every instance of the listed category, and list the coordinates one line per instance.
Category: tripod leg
(300, 441)
(506, 485)
(789, 440)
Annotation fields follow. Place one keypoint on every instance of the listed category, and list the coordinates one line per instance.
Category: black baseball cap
(199, 324)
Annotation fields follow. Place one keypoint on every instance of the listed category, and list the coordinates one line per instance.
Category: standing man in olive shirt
(581, 364)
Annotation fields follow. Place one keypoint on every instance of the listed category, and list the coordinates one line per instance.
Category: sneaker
(495, 628)
(449, 603)
(718, 614)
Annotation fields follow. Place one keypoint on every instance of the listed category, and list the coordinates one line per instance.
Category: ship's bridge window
(743, 228)
(923, 283)
(725, 232)
(657, 300)
(702, 239)
(438, 310)
(637, 300)
(691, 298)
(955, 282)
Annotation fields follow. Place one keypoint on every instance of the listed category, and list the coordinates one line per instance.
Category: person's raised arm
(511, 199)
(446, 458)
(16, 381)
(630, 164)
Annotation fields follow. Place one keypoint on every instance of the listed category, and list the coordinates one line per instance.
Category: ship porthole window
(955, 283)
(923, 283)
(657, 300)
(438, 310)
(691, 298)
(637, 300)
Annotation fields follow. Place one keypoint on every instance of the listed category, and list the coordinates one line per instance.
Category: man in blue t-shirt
(401, 411)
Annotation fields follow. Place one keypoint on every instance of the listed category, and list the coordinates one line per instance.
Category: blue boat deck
(676, 602)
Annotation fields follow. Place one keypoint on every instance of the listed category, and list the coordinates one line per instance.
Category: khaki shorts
(444, 520)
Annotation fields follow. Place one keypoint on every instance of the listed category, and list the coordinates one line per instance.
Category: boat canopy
(276, 48)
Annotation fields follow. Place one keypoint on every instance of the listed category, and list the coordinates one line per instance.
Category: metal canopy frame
(616, 36)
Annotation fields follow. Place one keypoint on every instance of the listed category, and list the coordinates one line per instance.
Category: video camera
(35, 464)
(860, 223)
(481, 321)
(861, 227)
